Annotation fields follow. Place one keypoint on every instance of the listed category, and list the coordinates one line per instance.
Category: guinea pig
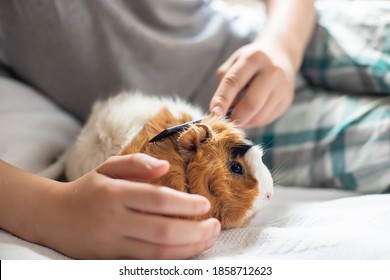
(211, 158)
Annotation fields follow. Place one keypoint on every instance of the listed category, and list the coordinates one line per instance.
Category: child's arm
(105, 214)
(267, 67)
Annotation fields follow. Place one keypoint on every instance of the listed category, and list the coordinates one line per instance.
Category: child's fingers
(230, 86)
(270, 111)
(133, 167)
(255, 98)
(138, 249)
(163, 200)
(224, 68)
(167, 230)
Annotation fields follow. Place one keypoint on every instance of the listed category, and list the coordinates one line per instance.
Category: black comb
(179, 128)
(172, 130)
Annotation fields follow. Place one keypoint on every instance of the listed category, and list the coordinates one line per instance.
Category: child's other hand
(267, 73)
(106, 214)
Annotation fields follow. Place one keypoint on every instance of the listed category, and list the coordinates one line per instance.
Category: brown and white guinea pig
(211, 158)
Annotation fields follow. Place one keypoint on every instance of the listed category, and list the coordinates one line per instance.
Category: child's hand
(267, 73)
(106, 214)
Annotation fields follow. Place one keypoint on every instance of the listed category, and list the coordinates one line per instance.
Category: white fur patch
(260, 171)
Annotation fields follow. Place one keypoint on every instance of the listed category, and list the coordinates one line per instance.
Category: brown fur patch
(204, 170)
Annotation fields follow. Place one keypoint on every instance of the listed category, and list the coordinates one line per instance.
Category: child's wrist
(47, 212)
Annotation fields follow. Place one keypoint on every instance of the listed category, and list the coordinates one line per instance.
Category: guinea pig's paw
(195, 135)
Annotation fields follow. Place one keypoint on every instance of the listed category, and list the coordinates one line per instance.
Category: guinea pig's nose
(268, 195)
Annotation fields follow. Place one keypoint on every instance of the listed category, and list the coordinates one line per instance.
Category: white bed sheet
(297, 224)
(312, 224)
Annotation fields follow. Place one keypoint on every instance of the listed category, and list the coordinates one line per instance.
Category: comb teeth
(172, 130)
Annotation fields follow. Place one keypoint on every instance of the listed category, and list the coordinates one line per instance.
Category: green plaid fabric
(333, 136)
(350, 49)
(331, 141)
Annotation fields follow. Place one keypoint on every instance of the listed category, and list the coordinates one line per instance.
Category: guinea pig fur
(211, 158)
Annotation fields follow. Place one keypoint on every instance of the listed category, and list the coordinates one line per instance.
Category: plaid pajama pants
(337, 132)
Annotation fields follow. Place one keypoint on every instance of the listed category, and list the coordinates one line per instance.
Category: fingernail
(156, 162)
(217, 111)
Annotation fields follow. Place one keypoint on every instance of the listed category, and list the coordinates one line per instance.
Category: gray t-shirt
(76, 51)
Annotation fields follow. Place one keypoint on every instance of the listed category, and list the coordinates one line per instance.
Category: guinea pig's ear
(195, 135)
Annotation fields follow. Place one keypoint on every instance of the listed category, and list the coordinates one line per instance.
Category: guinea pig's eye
(236, 168)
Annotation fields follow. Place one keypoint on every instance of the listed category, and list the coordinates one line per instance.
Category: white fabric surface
(312, 224)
